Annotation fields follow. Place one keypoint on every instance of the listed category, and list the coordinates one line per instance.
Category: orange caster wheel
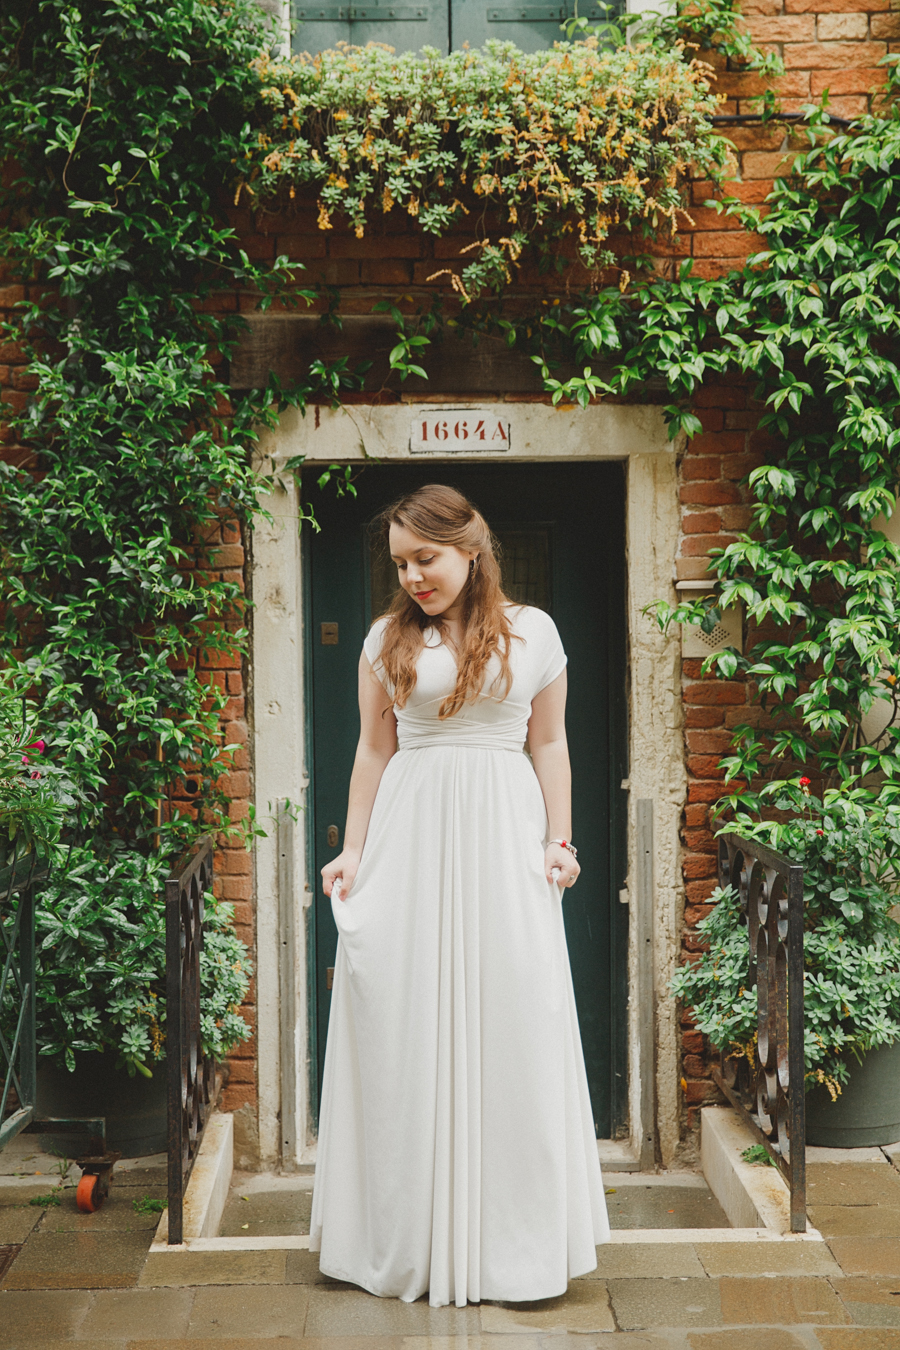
(89, 1196)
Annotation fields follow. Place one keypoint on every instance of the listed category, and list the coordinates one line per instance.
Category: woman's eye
(425, 561)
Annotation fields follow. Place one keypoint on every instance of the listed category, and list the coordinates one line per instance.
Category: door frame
(280, 737)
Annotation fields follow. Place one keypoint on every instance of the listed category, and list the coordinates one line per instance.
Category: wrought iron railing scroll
(19, 883)
(191, 1074)
(769, 1091)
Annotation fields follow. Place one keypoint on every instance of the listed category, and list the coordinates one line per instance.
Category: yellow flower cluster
(576, 140)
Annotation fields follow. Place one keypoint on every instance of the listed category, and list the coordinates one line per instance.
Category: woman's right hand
(343, 868)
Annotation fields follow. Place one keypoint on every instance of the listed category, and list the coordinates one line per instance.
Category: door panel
(561, 530)
(405, 27)
(439, 23)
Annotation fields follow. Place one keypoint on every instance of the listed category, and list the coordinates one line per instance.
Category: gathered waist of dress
(461, 741)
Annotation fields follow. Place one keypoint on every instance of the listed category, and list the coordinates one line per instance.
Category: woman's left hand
(555, 856)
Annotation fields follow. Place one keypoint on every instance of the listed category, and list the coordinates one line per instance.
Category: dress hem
(369, 1288)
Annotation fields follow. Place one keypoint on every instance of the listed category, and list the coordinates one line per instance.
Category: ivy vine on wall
(120, 124)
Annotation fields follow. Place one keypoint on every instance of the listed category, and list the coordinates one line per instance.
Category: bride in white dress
(456, 1146)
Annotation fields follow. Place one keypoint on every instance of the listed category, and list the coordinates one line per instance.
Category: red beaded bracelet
(564, 843)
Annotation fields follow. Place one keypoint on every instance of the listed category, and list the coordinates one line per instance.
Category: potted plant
(100, 981)
(849, 845)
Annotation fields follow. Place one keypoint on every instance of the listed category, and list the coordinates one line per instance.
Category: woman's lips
(424, 595)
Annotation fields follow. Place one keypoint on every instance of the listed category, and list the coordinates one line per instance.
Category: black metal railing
(19, 884)
(769, 1092)
(191, 1075)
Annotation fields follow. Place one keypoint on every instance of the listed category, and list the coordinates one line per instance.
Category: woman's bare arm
(377, 744)
(550, 756)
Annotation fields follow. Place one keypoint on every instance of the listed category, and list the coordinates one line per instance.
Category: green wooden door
(561, 529)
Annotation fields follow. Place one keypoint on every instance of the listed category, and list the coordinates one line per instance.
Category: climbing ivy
(814, 321)
(120, 124)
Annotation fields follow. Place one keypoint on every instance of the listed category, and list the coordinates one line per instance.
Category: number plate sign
(459, 431)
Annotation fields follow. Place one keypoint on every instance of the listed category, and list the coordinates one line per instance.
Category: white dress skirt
(456, 1149)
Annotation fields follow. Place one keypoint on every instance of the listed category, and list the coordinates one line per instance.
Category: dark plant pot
(135, 1108)
(868, 1110)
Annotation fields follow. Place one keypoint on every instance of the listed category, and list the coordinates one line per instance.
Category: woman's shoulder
(529, 620)
(375, 638)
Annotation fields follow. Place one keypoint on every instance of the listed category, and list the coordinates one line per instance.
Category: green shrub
(849, 845)
(101, 949)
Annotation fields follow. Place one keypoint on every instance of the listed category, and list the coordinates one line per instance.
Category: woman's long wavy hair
(441, 515)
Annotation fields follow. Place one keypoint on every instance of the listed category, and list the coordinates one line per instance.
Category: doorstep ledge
(207, 1189)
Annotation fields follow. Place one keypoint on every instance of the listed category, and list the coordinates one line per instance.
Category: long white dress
(456, 1146)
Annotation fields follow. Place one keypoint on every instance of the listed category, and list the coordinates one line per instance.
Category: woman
(456, 1146)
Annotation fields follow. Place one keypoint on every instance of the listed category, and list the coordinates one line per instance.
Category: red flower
(805, 782)
(39, 746)
(820, 831)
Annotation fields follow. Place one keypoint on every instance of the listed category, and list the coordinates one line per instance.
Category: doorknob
(332, 836)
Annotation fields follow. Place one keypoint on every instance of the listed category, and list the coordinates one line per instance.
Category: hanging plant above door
(576, 141)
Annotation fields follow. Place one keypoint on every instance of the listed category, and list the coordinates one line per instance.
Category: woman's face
(433, 574)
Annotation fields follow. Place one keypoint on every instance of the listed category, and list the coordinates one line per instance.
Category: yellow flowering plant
(534, 148)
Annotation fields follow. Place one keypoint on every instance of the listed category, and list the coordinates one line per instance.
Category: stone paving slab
(190, 1268)
(123, 1313)
(685, 1302)
(116, 1214)
(147, 1177)
(272, 1213)
(766, 1258)
(659, 1260)
(856, 1339)
(866, 1255)
(856, 1220)
(780, 1302)
(78, 1261)
(302, 1267)
(249, 1312)
(871, 1302)
(68, 1345)
(47, 1314)
(853, 1184)
(22, 1157)
(585, 1307)
(228, 1343)
(759, 1338)
(342, 1313)
(17, 1221)
(637, 1205)
(871, 1153)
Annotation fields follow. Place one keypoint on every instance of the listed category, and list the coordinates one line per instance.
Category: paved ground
(77, 1280)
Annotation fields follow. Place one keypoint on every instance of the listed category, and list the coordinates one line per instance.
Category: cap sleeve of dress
(549, 654)
(373, 644)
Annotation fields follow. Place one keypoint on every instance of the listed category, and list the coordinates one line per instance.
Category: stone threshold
(755, 1199)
